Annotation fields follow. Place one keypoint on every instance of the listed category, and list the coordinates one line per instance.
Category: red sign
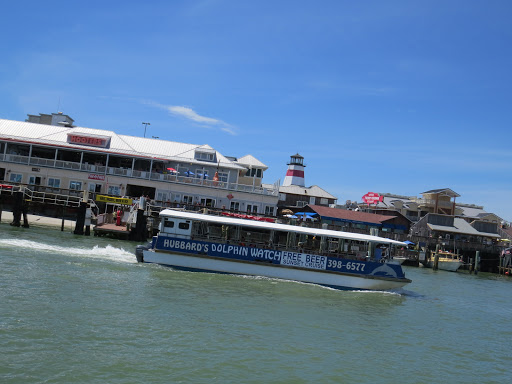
(230, 196)
(94, 141)
(372, 198)
(93, 176)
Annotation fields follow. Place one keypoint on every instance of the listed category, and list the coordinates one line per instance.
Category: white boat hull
(451, 266)
(335, 280)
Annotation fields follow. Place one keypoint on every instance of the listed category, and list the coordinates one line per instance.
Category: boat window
(169, 224)
(183, 225)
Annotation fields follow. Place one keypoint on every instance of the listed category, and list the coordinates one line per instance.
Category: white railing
(124, 172)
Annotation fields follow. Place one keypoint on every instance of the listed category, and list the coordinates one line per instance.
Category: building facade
(50, 154)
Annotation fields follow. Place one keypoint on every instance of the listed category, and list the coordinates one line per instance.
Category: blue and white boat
(208, 243)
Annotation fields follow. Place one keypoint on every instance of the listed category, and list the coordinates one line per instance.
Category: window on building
(251, 208)
(114, 190)
(251, 172)
(235, 206)
(223, 177)
(54, 183)
(187, 199)
(162, 196)
(269, 211)
(94, 187)
(208, 203)
(205, 155)
(75, 185)
(301, 204)
(200, 174)
(324, 201)
(15, 177)
(311, 200)
(183, 225)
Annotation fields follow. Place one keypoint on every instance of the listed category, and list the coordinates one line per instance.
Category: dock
(112, 230)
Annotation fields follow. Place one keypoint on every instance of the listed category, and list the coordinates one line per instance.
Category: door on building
(2, 174)
(34, 180)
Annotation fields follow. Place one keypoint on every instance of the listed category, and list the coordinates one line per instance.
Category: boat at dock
(200, 242)
(447, 261)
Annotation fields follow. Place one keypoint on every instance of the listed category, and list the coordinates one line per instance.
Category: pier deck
(118, 231)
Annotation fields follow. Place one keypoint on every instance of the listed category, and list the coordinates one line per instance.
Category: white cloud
(189, 114)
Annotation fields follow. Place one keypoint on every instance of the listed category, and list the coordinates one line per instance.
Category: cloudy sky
(398, 96)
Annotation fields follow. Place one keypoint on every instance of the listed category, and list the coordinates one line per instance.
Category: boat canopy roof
(277, 227)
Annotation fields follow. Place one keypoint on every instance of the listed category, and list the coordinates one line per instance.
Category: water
(77, 309)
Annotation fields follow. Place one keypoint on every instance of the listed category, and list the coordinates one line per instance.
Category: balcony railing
(432, 203)
(128, 172)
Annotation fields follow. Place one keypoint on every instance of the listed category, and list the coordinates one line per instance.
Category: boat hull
(451, 265)
(241, 267)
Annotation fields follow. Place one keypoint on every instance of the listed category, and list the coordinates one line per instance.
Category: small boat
(447, 261)
(399, 259)
(200, 242)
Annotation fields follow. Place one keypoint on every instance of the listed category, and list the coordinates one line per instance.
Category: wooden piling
(80, 219)
(25, 218)
(477, 262)
(435, 264)
(17, 209)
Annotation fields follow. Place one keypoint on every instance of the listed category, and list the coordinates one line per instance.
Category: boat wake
(105, 253)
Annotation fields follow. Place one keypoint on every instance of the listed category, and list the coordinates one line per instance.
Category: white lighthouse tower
(295, 173)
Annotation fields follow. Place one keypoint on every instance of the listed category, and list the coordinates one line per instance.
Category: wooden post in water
(471, 266)
(477, 262)
(24, 209)
(62, 225)
(435, 264)
(139, 233)
(80, 219)
(17, 209)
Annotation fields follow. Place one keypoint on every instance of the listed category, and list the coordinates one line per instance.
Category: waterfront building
(438, 201)
(294, 194)
(49, 153)
(356, 221)
(438, 219)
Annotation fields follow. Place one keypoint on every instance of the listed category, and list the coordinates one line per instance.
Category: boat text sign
(275, 257)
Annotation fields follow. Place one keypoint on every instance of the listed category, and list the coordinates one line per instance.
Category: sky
(395, 96)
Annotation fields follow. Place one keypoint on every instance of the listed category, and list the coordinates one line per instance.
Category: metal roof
(119, 144)
(462, 227)
(314, 191)
(278, 227)
(442, 191)
(251, 161)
